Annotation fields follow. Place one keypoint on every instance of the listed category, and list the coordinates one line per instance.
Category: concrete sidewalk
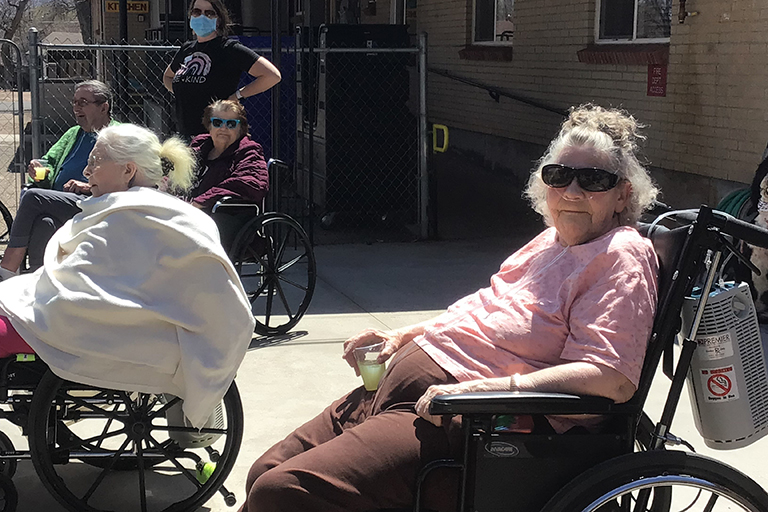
(284, 382)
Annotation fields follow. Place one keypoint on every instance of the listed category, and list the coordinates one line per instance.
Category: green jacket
(59, 152)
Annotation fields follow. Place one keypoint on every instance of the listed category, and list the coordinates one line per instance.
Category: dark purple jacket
(240, 171)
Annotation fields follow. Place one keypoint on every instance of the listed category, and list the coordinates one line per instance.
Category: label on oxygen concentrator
(719, 384)
(711, 348)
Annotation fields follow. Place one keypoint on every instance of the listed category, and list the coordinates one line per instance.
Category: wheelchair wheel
(9, 497)
(6, 221)
(660, 481)
(97, 449)
(274, 259)
(7, 466)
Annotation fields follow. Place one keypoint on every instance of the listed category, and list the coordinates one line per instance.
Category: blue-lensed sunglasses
(218, 122)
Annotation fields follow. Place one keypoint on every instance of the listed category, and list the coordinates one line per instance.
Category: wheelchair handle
(730, 225)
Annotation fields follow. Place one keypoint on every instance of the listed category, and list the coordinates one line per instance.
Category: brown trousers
(362, 453)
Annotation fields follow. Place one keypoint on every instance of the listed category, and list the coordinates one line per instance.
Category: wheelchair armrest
(523, 402)
(231, 202)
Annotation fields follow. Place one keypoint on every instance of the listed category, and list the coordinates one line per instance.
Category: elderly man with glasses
(57, 180)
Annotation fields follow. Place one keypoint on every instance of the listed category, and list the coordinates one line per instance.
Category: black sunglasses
(590, 179)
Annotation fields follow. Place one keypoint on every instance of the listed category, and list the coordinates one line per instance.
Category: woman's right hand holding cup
(392, 341)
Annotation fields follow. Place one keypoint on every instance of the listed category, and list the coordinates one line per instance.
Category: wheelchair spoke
(283, 299)
(164, 408)
(101, 438)
(173, 461)
(105, 430)
(253, 254)
(281, 249)
(270, 295)
(128, 405)
(293, 283)
(142, 481)
(103, 474)
(711, 503)
(291, 263)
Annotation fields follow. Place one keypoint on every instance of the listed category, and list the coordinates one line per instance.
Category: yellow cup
(40, 173)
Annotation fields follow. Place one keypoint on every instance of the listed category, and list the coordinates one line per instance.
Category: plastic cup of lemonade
(41, 169)
(370, 369)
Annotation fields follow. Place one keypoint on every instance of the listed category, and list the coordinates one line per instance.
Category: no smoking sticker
(719, 384)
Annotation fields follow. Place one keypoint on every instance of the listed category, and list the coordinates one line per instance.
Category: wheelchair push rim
(276, 264)
(87, 442)
(660, 481)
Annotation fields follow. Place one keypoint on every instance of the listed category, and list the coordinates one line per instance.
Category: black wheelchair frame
(274, 258)
(84, 441)
(582, 471)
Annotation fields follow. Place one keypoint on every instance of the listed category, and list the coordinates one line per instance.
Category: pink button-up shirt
(550, 305)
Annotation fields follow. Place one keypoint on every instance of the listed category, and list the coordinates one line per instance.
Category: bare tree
(19, 8)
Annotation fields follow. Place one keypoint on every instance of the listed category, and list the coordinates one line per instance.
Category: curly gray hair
(612, 133)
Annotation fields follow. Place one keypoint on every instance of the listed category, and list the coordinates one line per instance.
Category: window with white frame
(634, 20)
(493, 21)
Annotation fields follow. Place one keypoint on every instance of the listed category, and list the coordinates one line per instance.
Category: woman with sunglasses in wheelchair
(570, 312)
(229, 164)
(136, 292)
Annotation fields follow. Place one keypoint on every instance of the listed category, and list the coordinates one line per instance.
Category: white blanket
(136, 293)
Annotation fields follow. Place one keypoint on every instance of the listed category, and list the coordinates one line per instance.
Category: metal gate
(361, 132)
(12, 116)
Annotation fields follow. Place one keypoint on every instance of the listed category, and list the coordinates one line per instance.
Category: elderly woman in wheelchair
(569, 312)
(229, 165)
(138, 303)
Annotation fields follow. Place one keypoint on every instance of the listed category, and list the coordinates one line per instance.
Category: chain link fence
(134, 72)
(359, 115)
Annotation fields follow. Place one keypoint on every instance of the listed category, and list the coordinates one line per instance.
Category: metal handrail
(497, 93)
(119, 47)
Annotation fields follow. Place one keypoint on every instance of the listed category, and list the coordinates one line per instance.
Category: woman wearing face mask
(209, 68)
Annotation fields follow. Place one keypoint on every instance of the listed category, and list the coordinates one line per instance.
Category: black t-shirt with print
(206, 72)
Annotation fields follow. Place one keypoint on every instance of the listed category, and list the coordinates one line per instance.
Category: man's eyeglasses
(590, 179)
(82, 102)
(209, 13)
(218, 122)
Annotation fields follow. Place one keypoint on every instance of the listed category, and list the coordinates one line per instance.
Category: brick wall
(712, 122)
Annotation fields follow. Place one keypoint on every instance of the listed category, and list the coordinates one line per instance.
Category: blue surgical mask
(203, 25)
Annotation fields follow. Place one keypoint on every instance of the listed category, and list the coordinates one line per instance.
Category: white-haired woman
(136, 292)
(569, 312)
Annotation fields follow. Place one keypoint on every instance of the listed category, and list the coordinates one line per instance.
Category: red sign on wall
(657, 80)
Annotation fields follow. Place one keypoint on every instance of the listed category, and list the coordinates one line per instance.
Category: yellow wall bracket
(439, 148)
